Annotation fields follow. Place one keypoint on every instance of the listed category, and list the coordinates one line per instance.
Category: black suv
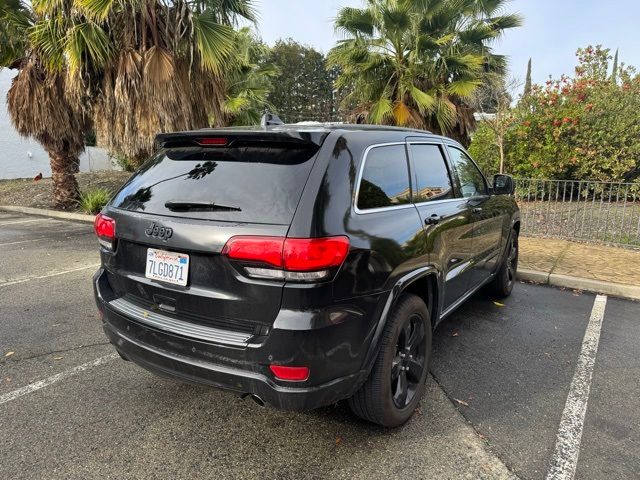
(301, 264)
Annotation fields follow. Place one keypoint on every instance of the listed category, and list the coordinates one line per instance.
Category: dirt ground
(26, 192)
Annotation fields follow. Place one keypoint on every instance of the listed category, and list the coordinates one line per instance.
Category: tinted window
(260, 183)
(471, 180)
(432, 177)
(385, 178)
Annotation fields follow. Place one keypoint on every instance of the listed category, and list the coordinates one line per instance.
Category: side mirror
(503, 184)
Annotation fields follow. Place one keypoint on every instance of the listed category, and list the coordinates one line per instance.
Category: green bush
(484, 151)
(92, 201)
(125, 163)
(585, 127)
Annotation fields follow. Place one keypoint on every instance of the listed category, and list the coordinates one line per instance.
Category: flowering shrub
(584, 127)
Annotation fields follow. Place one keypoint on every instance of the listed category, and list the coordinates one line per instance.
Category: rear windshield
(247, 183)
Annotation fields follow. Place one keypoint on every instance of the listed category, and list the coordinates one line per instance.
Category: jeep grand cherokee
(301, 264)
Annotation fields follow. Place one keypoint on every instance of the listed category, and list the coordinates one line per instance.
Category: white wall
(24, 158)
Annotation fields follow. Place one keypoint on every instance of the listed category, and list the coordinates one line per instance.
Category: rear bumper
(243, 369)
(241, 382)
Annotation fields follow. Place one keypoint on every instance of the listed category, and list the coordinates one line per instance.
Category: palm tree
(166, 71)
(38, 103)
(247, 81)
(133, 68)
(417, 62)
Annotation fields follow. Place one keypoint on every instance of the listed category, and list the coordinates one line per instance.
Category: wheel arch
(424, 282)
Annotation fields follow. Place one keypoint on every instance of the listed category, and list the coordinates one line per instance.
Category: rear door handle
(433, 219)
(477, 210)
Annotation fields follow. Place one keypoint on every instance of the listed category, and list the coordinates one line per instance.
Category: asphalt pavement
(502, 372)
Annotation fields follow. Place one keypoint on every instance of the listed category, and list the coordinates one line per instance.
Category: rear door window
(385, 178)
(246, 183)
(433, 181)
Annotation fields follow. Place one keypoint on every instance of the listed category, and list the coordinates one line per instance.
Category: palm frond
(48, 38)
(95, 9)
(463, 88)
(423, 100)
(87, 42)
(381, 111)
(214, 40)
(402, 113)
(355, 21)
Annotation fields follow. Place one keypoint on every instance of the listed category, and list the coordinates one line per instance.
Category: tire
(381, 399)
(502, 284)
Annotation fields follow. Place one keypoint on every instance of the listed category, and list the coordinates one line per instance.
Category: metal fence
(607, 212)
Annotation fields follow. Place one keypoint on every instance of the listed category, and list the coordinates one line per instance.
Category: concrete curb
(588, 284)
(78, 217)
(532, 276)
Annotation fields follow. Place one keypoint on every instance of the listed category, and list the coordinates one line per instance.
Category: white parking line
(16, 222)
(24, 241)
(33, 387)
(50, 274)
(567, 449)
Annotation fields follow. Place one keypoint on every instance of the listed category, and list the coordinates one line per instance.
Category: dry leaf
(418, 411)
(8, 354)
(498, 304)
(338, 440)
(461, 402)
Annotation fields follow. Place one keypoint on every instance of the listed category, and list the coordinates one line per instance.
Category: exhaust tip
(257, 399)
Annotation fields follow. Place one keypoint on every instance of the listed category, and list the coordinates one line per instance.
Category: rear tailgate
(204, 195)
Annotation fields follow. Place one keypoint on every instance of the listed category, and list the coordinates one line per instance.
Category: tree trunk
(501, 148)
(65, 186)
(219, 117)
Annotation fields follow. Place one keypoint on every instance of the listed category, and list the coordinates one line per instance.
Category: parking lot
(70, 408)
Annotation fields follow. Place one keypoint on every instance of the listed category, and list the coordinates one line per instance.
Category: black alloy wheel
(512, 259)
(397, 380)
(409, 362)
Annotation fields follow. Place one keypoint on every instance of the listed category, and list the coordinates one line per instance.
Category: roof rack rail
(269, 119)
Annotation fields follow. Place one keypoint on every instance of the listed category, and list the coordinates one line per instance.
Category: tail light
(105, 228)
(296, 259)
(292, 374)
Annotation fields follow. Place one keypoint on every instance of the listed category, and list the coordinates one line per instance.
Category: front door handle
(477, 210)
(433, 219)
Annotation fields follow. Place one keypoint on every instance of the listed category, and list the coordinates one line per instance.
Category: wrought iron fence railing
(606, 212)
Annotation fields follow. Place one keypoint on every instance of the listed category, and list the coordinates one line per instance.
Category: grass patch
(92, 201)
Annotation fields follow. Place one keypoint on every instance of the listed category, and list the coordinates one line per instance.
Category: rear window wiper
(177, 206)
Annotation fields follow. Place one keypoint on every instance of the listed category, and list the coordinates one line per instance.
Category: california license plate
(170, 267)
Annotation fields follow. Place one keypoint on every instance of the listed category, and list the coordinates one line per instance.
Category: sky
(553, 30)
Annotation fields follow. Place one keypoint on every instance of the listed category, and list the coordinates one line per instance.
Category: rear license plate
(170, 267)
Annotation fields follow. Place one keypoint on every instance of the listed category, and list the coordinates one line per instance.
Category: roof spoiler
(214, 138)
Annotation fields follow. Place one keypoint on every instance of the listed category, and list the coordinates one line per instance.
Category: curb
(532, 276)
(78, 217)
(631, 292)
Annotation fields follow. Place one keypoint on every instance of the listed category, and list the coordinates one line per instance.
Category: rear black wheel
(397, 381)
(505, 278)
